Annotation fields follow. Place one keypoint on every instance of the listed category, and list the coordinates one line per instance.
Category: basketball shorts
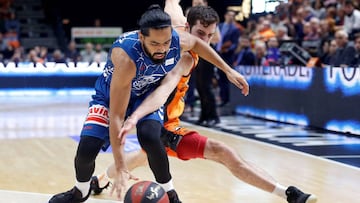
(183, 143)
(97, 120)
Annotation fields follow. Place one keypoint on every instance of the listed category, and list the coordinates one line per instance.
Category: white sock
(280, 190)
(167, 186)
(84, 187)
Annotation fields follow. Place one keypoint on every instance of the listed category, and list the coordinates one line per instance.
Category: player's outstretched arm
(120, 89)
(158, 97)
(190, 42)
(173, 8)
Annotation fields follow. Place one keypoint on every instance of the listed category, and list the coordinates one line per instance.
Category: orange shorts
(184, 144)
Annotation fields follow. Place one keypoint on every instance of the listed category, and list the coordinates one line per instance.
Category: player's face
(357, 44)
(157, 44)
(204, 33)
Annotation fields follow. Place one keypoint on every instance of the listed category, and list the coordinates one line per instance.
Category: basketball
(146, 192)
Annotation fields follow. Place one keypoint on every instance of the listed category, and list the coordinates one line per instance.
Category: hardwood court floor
(37, 152)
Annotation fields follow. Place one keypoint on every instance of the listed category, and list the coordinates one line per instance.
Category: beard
(152, 56)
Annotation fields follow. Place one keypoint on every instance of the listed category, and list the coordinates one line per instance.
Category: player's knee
(215, 148)
(148, 132)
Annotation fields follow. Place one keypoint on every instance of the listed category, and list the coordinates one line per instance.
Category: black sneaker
(173, 197)
(211, 123)
(72, 196)
(95, 187)
(294, 195)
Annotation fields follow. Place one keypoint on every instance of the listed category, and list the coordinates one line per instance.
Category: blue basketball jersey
(148, 77)
(148, 74)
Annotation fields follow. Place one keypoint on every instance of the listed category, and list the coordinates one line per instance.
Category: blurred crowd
(326, 29)
(90, 53)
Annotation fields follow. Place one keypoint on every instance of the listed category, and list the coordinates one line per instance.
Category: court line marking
(341, 156)
(10, 196)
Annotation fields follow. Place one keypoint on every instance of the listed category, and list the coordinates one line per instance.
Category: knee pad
(149, 132)
(88, 149)
(170, 139)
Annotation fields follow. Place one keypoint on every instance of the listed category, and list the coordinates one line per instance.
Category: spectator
(273, 52)
(44, 53)
(191, 97)
(204, 73)
(282, 10)
(308, 12)
(340, 17)
(57, 57)
(3, 43)
(351, 18)
(332, 13)
(12, 23)
(298, 21)
(100, 54)
(33, 57)
(260, 54)
(314, 29)
(356, 61)
(5, 10)
(344, 54)
(11, 37)
(289, 26)
(72, 54)
(328, 52)
(282, 33)
(18, 56)
(251, 30)
(275, 22)
(307, 31)
(208, 112)
(243, 54)
(230, 34)
(8, 52)
(327, 28)
(319, 10)
(265, 32)
(97, 22)
(87, 54)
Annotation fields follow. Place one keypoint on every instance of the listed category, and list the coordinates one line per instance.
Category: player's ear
(141, 37)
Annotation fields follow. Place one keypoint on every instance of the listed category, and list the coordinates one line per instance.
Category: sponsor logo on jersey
(98, 115)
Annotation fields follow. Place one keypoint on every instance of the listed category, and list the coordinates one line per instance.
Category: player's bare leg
(251, 174)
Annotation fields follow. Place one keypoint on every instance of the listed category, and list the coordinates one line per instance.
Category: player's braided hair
(155, 17)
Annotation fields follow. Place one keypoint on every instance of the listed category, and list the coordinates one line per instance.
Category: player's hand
(239, 81)
(128, 125)
(120, 183)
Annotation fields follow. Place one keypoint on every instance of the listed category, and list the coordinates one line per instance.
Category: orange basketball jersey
(175, 105)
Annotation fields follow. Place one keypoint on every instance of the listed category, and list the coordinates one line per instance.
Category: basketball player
(187, 144)
(138, 62)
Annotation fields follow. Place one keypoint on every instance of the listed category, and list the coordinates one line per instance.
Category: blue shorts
(97, 120)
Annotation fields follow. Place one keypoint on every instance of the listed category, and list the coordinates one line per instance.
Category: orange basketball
(146, 192)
